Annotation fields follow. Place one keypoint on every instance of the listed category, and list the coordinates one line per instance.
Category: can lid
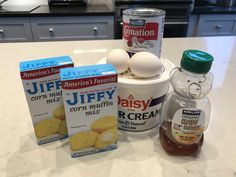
(196, 61)
(145, 12)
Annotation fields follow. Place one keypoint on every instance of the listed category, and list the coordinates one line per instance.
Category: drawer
(215, 27)
(15, 30)
(54, 29)
(72, 30)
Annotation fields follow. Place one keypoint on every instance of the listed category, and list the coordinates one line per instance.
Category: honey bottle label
(188, 125)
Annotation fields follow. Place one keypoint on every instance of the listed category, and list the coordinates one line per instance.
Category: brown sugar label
(188, 125)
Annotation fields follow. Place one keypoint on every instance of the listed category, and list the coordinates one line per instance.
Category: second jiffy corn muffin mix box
(42, 86)
(90, 99)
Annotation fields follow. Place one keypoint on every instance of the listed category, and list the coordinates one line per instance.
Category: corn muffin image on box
(90, 100)
(42, 86)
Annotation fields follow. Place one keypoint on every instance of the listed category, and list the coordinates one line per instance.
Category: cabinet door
(216, 25)
(72, 28)
(15, 29)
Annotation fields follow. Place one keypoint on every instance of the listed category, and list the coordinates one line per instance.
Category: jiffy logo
(39, 64)
(132, 103)
(78, 98)
(35, 87)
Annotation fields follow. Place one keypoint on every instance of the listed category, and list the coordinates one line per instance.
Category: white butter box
(42, 86)
(90, 99)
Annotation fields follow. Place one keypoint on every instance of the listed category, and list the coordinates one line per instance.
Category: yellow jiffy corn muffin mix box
(90, 99)
(42, 86)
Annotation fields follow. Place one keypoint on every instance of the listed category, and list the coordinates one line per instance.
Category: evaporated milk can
(143, 30)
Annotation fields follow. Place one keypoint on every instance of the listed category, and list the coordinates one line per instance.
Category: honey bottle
(186, 110)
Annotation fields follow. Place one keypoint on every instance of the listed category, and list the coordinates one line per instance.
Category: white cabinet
(72, 28)
(212, 25)
(15, 30)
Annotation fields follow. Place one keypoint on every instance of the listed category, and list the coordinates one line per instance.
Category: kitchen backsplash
(45, 2)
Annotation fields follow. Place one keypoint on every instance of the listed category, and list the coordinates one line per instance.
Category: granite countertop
(45, 10)
(214, 10)
(138, 155)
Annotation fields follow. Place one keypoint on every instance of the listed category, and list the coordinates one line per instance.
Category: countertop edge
(46, 11)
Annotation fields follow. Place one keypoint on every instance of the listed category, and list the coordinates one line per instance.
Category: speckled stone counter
(138, 155)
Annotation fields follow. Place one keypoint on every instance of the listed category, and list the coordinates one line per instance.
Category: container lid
(144, 12)
(196, 61)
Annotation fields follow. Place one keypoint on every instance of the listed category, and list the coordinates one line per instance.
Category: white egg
(120, 59)
(145, 64)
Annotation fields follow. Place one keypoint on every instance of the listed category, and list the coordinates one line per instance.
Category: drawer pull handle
(1, 31)
(218, 27)
(95, 29)
(51, 30)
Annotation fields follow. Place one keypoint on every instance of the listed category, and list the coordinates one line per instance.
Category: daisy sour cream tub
(140, 99)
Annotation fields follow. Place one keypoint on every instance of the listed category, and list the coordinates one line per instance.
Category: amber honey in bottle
(185, 112)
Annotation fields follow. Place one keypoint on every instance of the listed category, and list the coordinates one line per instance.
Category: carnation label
(90, 99)
(143, 30)
(42, 86)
